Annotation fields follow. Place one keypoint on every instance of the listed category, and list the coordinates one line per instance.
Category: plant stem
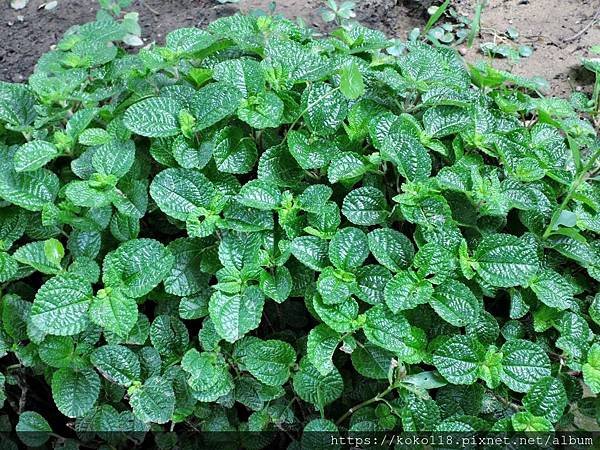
(375, 399)
(506, 402)
(580, 179)
(436, 16)
(476, 23)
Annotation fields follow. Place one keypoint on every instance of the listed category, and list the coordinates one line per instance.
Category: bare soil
(546, 25)
(549, 26)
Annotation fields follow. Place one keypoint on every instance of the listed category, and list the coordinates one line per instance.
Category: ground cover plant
(252, 228)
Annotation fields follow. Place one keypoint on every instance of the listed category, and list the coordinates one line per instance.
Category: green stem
(506, 402)
(596, 95)
(476, 23)
(580, 179)
(436, 16)
(375, 399)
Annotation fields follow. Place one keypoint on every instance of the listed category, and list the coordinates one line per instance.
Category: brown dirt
(547, 26)
(28, 33)
(543, 24)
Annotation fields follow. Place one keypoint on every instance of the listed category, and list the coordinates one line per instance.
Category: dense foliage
(253, 228)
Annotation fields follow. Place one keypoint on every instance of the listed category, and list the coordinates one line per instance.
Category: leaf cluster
(250, 228)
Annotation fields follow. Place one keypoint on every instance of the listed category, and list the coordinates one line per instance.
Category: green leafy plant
(578, 99)
(251, 229)
(448, 26)
(340, 14)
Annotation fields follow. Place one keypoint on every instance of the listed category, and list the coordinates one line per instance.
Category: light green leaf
(33, 429)
(408, 155)
(234, 152)
(239, 250)
(94, 136)
(244, 73)
(345, 166)
(294, 62)
(365, 206)
(341, 316)
(335, 286)
(269, 361)
(277, 285)
(236, 315)
(348, 248)
(191, 155)
(75, 391)
(34, 155)
(61, 304)
(117, 363)
(393, 332)
(137, 266)
(320, 346)
(552, 289)
(591, 369)
(259, 194)
(82, 193)
(187, 41)
(546, 398)
(504, 260)
(310, 152)
(406, 291)
(455, 303)
(185, 276)
(154, 401)
(114, 158)
(114, 311)
(523, 364)
(154, 117)
(264, 110)
(214, 102)
(441, 121)
(325, 108)
(209, 375)
(43, 256)
(351, 81)
(180, 192)
(391, 248)
(29, 190)
(313, 387)
(310, 251)
(527, 422)
(16, 104)
(459, 359)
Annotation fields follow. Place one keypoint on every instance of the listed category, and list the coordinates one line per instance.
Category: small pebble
(462, 51)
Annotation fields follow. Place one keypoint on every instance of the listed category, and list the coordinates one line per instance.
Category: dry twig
(584, 29)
